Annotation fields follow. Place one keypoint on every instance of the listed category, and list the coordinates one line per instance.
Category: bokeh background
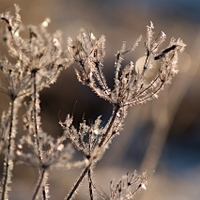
(162, 136)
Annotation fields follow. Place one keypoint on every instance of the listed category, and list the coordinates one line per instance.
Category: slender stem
(78, 182)
(36, 115)
(36, 127)
(40, 180)
(8, 162)
(116, 109)
(90, 184)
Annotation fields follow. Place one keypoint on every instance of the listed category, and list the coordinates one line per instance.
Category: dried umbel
(130, 83)
(132, 86)
(127, 186)
(41, 53)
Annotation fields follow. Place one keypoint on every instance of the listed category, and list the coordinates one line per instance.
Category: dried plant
(131, 87)
(38, 61)
(127, 186)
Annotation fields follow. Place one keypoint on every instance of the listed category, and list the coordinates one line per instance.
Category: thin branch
(77, 184)
(35, 115)
(8, 162)
(40, 181)
(116, 109)
(90, 184)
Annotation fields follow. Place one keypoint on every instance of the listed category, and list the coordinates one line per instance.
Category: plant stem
(78, 182)
(36, 127)
(8, 163)
(41, 178)
(35, 93)
(90, 184)
(116, 109)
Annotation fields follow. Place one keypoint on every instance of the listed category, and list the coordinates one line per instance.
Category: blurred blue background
(162, 136)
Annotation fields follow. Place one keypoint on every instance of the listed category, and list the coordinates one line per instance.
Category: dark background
(167, 128)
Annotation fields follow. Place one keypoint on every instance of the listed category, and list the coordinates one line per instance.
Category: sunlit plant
(35, 63)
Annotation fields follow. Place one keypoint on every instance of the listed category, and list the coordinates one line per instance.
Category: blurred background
(162, 136)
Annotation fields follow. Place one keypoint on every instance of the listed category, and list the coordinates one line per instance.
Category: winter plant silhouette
(35, 63)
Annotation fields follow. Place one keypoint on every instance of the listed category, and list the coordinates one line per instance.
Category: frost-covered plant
(35, 63)
(127, 186)
(39, 60)
(130, 87)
